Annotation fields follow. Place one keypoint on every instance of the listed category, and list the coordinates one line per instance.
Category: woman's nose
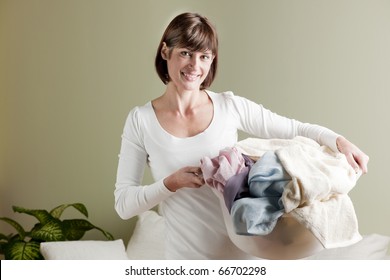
(194, 61)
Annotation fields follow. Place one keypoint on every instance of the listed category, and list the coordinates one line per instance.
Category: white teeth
(190, 76)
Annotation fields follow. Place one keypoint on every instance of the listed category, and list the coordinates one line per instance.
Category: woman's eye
(185, 53)
(205, 57)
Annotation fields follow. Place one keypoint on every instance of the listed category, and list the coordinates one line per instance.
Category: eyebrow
(189, 50)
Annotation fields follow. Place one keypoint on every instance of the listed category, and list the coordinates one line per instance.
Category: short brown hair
(192, 31)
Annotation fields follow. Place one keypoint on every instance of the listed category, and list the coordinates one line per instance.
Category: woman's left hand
(356, 158)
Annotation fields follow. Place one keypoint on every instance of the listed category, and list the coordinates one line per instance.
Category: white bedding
(146, 243)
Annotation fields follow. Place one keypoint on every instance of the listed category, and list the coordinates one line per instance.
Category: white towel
(318, 193)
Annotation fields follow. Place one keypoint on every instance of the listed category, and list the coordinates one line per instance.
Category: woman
(187, 122)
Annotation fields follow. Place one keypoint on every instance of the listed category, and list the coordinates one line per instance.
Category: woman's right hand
(190, 177)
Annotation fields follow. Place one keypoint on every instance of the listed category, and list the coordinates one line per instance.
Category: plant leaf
(75, 229)
(2, 247)
(16, 225)
(21, 250)
(4, 237)
(108, 235)
(57, 212)
(51, 231)
(42, 215)
(4, 240)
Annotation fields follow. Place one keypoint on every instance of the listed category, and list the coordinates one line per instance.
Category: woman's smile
(191, 77)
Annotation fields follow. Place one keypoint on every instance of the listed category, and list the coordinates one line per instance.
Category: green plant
(25, 245)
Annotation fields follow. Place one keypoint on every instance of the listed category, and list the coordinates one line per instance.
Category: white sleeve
(254, 119)
(131, 198)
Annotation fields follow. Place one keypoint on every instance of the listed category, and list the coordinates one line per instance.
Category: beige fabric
(317, 197)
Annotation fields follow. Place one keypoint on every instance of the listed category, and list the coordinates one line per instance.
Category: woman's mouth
(190, 77)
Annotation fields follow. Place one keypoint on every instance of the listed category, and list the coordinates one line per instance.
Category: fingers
(196, 176)
(194, 169)
(190, 177)
(353, 163)
(355, 157)
(198, 181)
(362, 161)
(358, 162)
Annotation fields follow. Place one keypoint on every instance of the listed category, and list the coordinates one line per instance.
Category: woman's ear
(164, 51)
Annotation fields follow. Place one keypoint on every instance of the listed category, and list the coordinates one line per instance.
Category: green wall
(70, 71)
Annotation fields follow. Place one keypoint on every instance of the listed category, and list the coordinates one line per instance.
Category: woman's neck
(182, 102)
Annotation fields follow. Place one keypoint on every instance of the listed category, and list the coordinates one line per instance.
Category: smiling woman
(187, 122)
(67, 85)
(189, 33)
(192, 67)
(186, 62)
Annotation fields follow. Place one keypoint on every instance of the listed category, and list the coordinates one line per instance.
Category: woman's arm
(261, 122)
(131, 198)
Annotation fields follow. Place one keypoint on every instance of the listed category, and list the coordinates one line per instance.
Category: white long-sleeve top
(195, 226)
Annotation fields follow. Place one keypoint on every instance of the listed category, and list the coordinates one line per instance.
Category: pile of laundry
(262, 179)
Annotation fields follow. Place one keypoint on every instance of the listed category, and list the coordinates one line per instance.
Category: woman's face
(188, 69)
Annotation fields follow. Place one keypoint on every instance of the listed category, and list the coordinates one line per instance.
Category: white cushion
(84, 250)
(147, 241)
(371, 247)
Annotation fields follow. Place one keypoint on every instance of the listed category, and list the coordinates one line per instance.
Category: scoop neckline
(205, 131)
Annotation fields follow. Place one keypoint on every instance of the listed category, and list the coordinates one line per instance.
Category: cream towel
(317, 196)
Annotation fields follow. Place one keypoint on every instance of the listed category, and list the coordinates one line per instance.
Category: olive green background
(71, 70)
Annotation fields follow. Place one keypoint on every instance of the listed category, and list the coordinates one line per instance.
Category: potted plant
(25, 245)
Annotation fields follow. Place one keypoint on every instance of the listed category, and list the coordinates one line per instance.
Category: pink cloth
(218, 170)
